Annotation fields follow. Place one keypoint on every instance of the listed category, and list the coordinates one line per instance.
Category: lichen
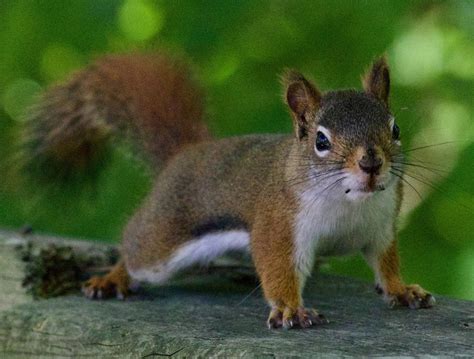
(50, 271)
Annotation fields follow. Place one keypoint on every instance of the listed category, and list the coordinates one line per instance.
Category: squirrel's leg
(143, 244)
(115, 283)
(273, 256)
(386, 266)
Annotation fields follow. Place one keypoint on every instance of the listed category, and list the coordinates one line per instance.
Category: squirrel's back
(208, 173)
(152, 99)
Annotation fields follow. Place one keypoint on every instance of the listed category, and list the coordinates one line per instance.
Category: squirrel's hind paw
(414, 297)
(105, 287)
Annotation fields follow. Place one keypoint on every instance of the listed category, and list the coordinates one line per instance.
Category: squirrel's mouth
(370, 189)
(370, 185)
(367, 189)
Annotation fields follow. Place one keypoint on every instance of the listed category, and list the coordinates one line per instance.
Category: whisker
(407, 182)
(421, 180)
(431, 169)
(305, 179)
(323, 178)
(319, 194)
(431, 185)
(429, 146)
(422, 161)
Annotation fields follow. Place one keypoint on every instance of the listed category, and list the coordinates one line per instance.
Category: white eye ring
(326, 133)
(391, 122)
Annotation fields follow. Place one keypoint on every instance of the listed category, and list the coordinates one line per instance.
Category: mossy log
(207, 315)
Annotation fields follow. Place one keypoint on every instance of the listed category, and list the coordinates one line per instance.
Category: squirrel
(328, 189)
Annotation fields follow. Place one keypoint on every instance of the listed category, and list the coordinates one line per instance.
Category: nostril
(370, 165)
(377, 165)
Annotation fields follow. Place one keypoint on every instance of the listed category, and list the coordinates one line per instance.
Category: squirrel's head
(348, 137)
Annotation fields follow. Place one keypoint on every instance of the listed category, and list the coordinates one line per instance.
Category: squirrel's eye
(322, 142)
(395, 132)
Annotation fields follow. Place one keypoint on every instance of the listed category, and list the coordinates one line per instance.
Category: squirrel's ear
(377, 80)
(303, 99)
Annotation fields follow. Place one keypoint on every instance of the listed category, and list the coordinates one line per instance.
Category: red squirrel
(329, 188)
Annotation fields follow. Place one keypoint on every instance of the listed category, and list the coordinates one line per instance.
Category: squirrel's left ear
(377, 80)
(303, 99)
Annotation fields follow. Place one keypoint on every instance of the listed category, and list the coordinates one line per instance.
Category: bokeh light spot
(418, 55)
(18, 96)
(459, 53)
(451, 121)
(59, 60)
(139, 21)
(222, 66)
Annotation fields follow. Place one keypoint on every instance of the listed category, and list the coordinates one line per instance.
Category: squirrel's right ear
(303, 99)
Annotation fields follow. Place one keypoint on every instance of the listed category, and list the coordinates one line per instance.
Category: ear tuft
(377, 80)
(302, 97)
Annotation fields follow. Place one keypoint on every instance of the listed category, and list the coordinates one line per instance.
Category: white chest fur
(335, 225)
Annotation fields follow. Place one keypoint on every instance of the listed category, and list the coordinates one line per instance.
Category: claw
(413, 297)
(290, 318)
(275, 319)
(322, 319)
(287, 324)
(392, 303)
(430, 301)
(104, 287)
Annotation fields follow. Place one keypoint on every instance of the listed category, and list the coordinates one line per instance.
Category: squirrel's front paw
(291, 318)
(413, 296)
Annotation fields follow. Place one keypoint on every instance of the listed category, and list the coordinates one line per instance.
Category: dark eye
(395, 132)
(322, 142)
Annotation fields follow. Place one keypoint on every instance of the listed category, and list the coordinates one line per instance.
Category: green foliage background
(239, 48)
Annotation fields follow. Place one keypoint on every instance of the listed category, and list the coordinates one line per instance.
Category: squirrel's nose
(371, 163)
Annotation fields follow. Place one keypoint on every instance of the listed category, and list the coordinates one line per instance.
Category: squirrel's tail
(149, 98)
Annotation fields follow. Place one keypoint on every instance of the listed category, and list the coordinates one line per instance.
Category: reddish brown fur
(157, 230)
(116, 282)
(388, 262)
(390, 271)
(164, 104)
(151, 99)
(272, 249)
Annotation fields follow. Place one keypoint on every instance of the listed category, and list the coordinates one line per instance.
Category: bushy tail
(149, 98)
